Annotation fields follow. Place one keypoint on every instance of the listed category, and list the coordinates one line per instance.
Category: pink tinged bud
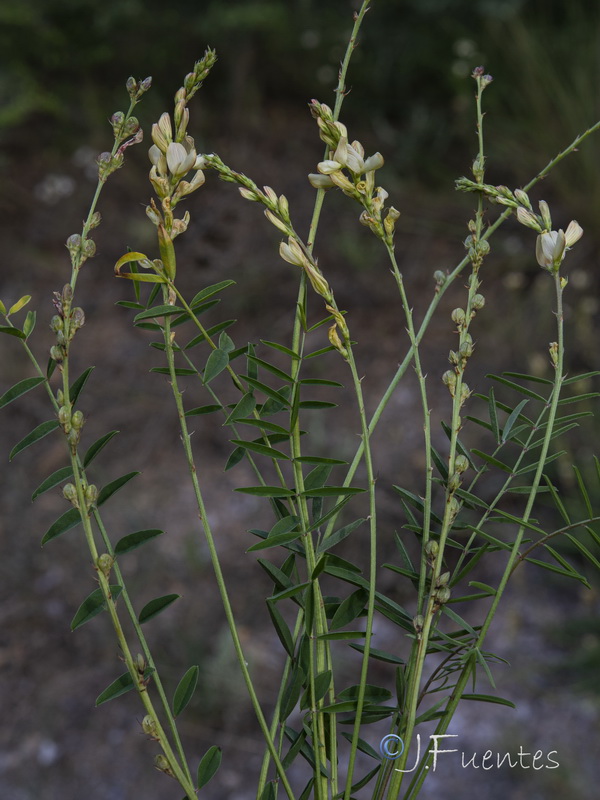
(374, 162)
(279, 224)
(292, 253)
(248, 194)
(328, 167)
(528, 219)
(320, 181)
(573, 233)
(270, 194)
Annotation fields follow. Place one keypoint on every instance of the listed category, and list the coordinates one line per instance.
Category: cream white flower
(551, 246)
(181, 157)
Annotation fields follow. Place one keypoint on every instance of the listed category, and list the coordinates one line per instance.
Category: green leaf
(317, 476)
(274, 541)
(2, 308)
(277, 396)
(244, 407)
(261, 449)
(337, 536)
(202, 410)
(64, 523)
(209, 292)
(508, 425)
(19, 389)
(488, 698)
(292, 691)
(578, 398)
(362, 745)
(266, 491)
(270, 427)
(185, 690)
(351, 608)
(271, 368)
(319, 460)
(78, 384)
(378, 655)
(107, 491)
(98, 445)
(210, 763)
(154, 607)
(19, 304)
(281, 629)
(332, 491)
(53, 480)
(235, 458)
(157, 311)
(322, 684)
(178, 371)
(291, 592)
(341, 635)
(29, 324)
(517, 387)
(34, 436)
(494, 462)
(12, 331)
(134, 540)
(93, 604)
(281, 349)
(216, 363)
(123, 684)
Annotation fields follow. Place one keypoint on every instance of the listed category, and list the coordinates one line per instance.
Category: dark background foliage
(62, 73)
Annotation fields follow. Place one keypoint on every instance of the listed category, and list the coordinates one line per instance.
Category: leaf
(144, 277)
(261, 449)
(517, 387)
(34, 436)
(93, 604)
(488, 698)
(291, 592)
(29, 324)
(266, 491)
(279, 373)
(274, 541)
(378, 655)
(216, 363)
(349, 609)
(235, 458)
(341, 635)
(12, 331)
(19, 389)
(243, 408)
(508, 425)
(578, 398)
(319, 460)
(281, 628)
(316, 404)
(267, 426)
(134, 540)
(278, 396)
(291, 694)
(337, 536)
(494, 462)
(64, 523)
(332, 491)
(204, 294)
(203, 410)
(322, 684)
(98, 445)
(157, 311)
(19, 304)
(154, 607)
(210, 763)
(62, 474)
(78, 384)
(123, 684)
(493, 416)
(281, 348)
(185, 690)
(107, 491)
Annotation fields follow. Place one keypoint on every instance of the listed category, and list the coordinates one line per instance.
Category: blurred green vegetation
(64, 63)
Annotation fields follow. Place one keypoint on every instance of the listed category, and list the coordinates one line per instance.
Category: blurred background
(62, 74)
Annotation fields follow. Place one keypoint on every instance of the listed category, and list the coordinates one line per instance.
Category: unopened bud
(478, 302)
(440, 277)
(418, 623)
(161, 763)
(461, 463)
(64, 416)
(91, 494)
(149, 726)
(70, 493)
(105, 564)
(443, 579)
(95, 220)
(432, 549)
(443, 595)
(57, 353)
(458, 316)
(56, 323)
(140, 663)
(77, 420)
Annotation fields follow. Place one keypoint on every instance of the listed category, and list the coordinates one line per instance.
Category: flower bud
(449, 379)
(161, 763)
(149, 726)
(91, 494)
(465, 393)
(73, 244)
(440, 277)
(132, 87)
(529, 219)
(89, 248)
(466, 350)
(105, 564)
(77, 318)
(57, 353)
(77, 420)
(478, 302)
(432, 549)
(140, 663)
(56, 323)
(418, 623)
(70, 493)
(458, 316)
(461, 463)
(442, 595)
(443, 579)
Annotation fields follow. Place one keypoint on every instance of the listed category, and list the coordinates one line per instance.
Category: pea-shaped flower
(181, 157)
(551, 246)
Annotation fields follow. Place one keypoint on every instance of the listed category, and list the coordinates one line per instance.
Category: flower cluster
(349, 170)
